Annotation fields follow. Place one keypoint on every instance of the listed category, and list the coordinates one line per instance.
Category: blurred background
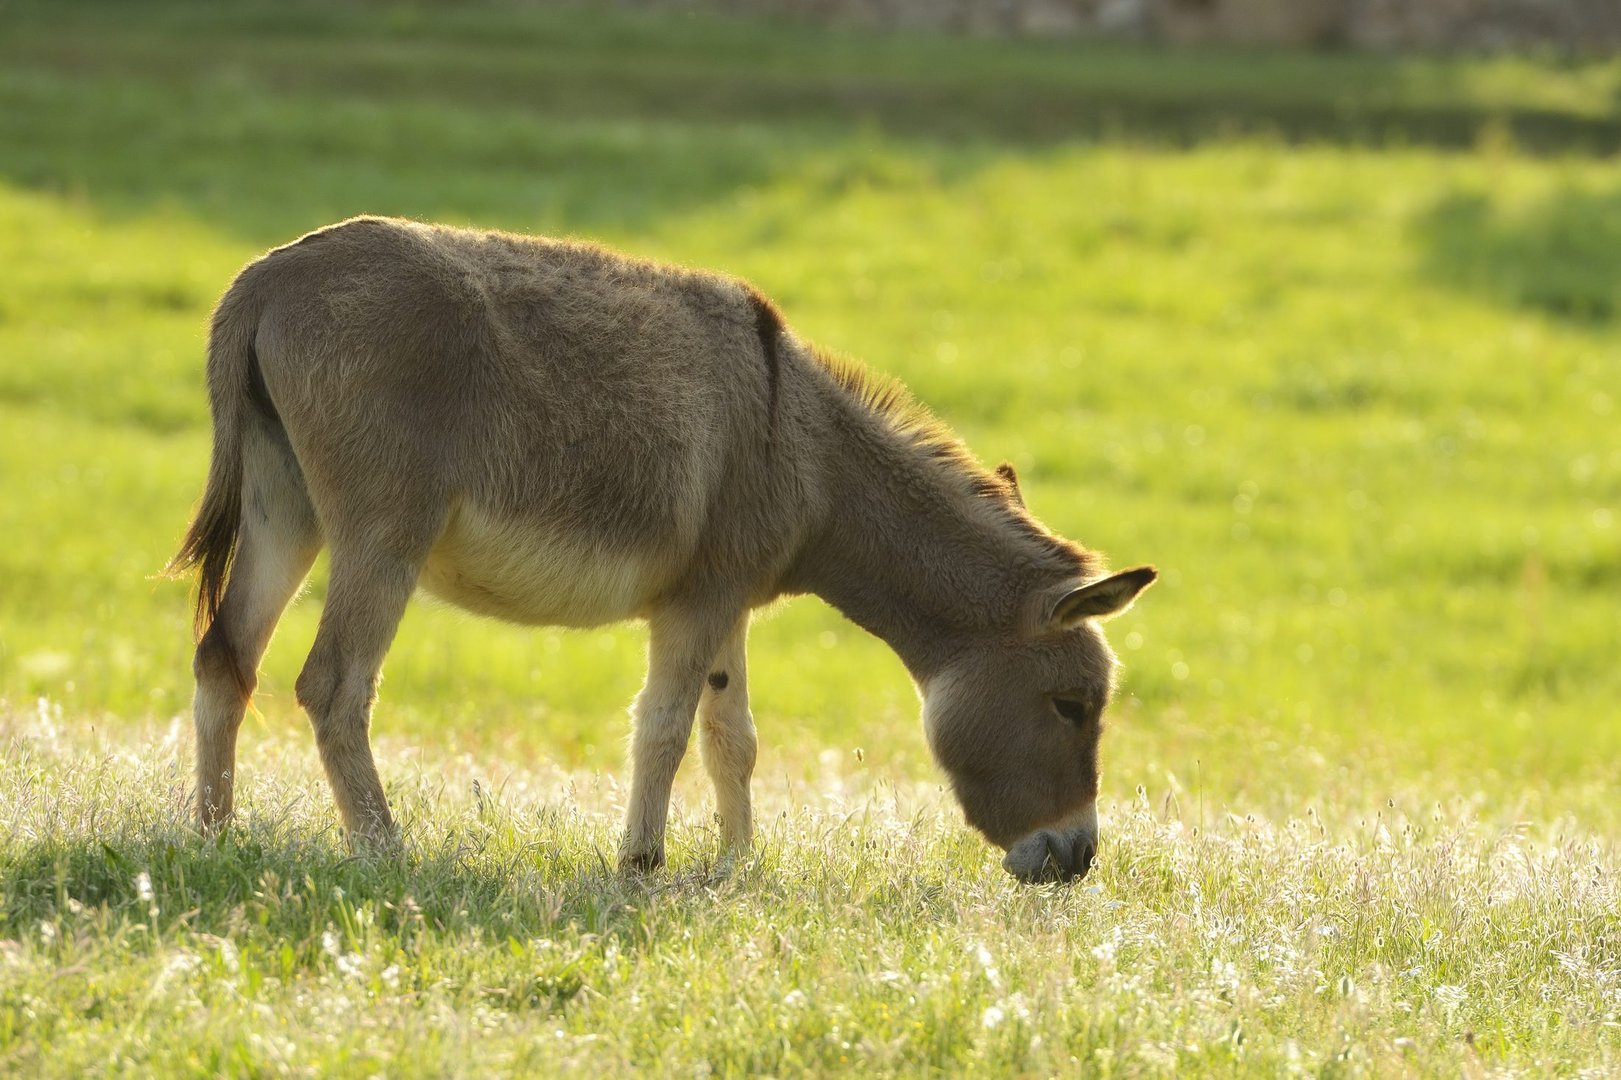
(1581, 25)
(1313, 304)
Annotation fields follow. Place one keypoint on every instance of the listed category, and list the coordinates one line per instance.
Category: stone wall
(1575, 25)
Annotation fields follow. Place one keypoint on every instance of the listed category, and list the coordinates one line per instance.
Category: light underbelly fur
(525, 573)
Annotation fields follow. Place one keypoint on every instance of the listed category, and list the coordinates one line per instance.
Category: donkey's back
(526, 373)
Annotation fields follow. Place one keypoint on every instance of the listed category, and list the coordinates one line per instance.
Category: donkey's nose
(1045, 856)
(1031, 859)
(1058, 854)
(1084, 848)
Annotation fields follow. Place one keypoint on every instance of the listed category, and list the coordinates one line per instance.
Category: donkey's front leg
(726, 737)
(681, 644)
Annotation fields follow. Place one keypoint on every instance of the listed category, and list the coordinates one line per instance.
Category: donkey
(551, 433)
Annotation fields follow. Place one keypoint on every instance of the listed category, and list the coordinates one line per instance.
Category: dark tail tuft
(210, 543)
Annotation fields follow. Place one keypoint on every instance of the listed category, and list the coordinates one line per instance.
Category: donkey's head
(1015, 722)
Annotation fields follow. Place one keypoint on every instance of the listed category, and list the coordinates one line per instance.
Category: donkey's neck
(907, 551)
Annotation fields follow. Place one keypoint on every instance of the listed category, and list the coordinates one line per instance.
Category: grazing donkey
(553, 434)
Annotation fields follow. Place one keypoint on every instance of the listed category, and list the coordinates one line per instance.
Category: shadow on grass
(265, 120)
(287, 890)
(517, 926)
(1556, 256)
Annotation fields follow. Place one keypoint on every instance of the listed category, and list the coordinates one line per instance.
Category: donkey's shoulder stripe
(768, 324)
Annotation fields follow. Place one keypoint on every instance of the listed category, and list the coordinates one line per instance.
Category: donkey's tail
(210, 543)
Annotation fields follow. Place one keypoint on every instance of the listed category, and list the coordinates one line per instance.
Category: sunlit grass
(867, 929)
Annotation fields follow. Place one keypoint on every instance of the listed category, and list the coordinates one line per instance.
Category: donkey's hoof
(378, 843)
(210, 827)
(640, 862)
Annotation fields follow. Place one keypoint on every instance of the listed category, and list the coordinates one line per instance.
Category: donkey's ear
(1005, 471)
(1102, 598)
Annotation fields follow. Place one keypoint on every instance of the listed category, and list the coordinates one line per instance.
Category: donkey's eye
(1076, 712)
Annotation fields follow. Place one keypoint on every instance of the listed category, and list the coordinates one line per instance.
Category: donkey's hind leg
(726, 739)
(365, 599)
(277, 543)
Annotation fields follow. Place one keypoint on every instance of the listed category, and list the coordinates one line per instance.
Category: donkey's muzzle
(1052, 855)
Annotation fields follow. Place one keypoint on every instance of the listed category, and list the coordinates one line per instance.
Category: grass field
(1334, 341)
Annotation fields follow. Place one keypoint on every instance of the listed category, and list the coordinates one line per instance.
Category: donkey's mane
(891, 405)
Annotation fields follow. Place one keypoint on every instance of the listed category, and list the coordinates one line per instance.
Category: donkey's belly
(524, 573)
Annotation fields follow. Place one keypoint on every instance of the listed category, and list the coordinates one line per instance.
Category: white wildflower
(1104, 950)
(992, 1017)
(329, 944)
(983, 955)
(143, 886)
(794, 998)
(180, 963)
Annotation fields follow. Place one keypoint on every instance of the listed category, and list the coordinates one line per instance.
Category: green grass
(868, 932)
(1332, 340)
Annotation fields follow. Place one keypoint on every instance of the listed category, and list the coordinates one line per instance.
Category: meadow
(1335, 341)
